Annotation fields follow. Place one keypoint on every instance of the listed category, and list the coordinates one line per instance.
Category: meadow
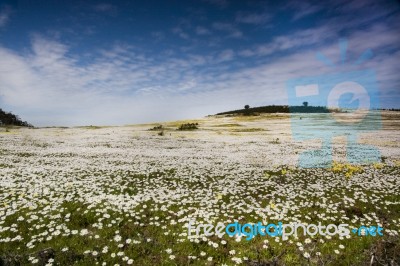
(124, 195)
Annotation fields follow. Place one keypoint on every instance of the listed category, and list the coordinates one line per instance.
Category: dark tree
(246, 106)
(279, 109)
(305, 104)
(7, 118)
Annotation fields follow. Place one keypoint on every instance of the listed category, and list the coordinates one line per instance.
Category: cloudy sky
(124, 62)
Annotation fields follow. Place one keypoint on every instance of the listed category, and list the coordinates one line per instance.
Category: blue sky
(124, 62)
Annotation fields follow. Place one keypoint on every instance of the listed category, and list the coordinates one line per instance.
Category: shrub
(188, 126)
(276, 141)
(159, 127)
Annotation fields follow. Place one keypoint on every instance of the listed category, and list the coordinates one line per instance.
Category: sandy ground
(260, 140)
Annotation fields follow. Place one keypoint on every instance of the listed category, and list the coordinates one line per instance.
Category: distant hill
(7, 118)
(278, 109)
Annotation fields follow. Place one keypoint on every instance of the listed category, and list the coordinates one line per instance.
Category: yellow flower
(337, 167)
(378, 165)
(219, 196)
(284, 171)
(272, 205)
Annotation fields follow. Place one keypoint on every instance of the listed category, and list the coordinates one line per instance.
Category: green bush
(188, 126)
(159, 127)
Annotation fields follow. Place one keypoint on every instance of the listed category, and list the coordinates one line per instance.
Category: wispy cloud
(158, 35)
(202, 31)
(303, 9)
(138, 88)
(218, 3)
(225, 55)
(294, 42)
(5, 13)
(232, 31)
(106, 8)
(252, 18)
(180, 32)
(50, 82)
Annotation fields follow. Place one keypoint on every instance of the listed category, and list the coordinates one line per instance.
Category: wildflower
(237, 260)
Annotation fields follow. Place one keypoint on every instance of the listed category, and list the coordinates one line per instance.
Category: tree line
(9, 119)
(305, 108)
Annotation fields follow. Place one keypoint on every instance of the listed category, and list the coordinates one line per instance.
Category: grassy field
(124, 195)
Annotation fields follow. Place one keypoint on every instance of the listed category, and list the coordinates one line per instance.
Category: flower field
(125, 195)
